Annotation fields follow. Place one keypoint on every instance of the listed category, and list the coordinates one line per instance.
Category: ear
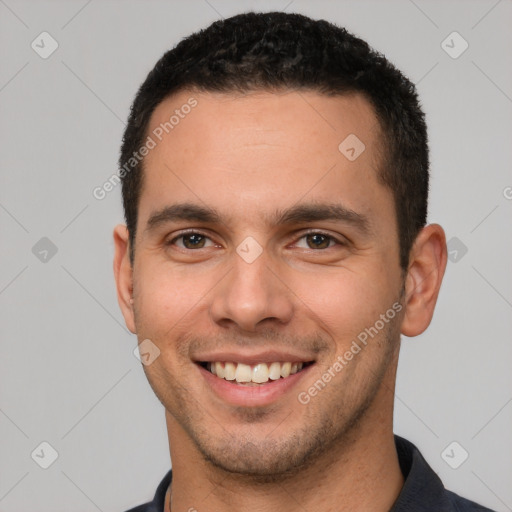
(425, 273)
(123, 274)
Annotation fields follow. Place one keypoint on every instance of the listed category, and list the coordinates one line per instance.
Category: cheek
(343, 303)
(165, 299)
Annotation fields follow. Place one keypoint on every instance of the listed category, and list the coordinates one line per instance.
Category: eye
(191, 240)
(195, 240)
(319, 241)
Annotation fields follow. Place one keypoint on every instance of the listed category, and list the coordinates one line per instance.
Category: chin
(265, 459)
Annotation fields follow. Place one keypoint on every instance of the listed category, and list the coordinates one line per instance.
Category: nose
(251, 295)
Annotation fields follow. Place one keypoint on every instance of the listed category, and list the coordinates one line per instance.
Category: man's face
(270, 278)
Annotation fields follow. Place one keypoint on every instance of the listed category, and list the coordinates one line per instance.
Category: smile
(249, 375)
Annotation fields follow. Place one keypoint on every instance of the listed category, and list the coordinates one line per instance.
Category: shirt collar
(423, 490)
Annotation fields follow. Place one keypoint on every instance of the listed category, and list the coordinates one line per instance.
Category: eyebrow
(303, 213)
(313, 212)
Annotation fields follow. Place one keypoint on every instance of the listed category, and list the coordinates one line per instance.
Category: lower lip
(252, 396)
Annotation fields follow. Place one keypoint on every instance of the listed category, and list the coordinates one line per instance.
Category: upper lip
(252, 359)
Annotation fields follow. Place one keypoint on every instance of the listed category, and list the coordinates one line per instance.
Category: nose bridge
(251, 292)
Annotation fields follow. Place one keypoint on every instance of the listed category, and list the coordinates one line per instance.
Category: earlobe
(424, 276)
(123, 274)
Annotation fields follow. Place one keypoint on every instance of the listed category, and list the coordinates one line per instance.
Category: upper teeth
(258, 373)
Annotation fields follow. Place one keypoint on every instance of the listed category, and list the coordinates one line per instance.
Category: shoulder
(423, 490)
(461, 504)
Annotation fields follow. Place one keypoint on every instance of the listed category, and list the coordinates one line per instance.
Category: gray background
(67, 372)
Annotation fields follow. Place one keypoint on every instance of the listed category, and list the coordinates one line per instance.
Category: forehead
(249, 151)
(255, 117)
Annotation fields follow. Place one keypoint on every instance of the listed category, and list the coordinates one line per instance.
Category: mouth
(259, 374)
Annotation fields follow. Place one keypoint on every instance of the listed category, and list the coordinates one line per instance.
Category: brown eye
(318, 241)
(191, 241)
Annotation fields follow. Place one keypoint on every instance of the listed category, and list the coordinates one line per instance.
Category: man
(275, 182)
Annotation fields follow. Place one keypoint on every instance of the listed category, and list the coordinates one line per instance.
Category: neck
(361, 472)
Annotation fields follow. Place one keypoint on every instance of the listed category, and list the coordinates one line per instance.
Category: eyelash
(195, 232)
